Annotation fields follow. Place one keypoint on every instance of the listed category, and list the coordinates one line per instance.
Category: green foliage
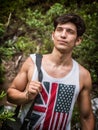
(75, 116)
(2, 95)
(6, 53)
(87, 52)
(5, 114)
(34, 18)
(11, 6)
(55, 10)
(25, 45)
(2, 29)
(2, 70)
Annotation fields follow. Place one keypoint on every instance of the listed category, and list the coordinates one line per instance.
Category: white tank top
(54, 106)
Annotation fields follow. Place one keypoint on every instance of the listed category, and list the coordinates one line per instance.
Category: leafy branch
(5, 114)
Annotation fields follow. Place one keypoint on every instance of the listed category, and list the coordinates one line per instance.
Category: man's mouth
(63, 42)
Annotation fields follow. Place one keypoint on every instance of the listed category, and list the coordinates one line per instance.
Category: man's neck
(61, 58)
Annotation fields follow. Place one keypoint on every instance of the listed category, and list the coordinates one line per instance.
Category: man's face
(65, 36)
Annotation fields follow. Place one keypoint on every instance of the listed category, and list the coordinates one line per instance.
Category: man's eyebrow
(67, 28)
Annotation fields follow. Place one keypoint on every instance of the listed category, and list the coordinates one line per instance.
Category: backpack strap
(38, 64)
(40, 77)
(17, 111)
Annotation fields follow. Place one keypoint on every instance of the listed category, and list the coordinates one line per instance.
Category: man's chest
(57, 71)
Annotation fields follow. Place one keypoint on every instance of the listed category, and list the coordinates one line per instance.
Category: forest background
(26, 27)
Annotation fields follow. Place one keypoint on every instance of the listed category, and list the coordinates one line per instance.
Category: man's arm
(22, 89)
(84, 102)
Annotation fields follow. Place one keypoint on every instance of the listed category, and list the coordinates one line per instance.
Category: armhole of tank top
(33, 57)
(35, 73)
(78, 76)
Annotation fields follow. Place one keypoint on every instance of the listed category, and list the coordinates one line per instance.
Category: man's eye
(70, 31)
(59, 29)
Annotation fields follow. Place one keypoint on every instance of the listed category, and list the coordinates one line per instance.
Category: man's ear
(78, 41)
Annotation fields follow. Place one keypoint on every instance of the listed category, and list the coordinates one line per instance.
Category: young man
(64, 81)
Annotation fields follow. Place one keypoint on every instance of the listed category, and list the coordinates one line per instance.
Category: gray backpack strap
(38, 64)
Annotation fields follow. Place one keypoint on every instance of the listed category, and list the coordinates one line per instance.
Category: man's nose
(63, 34)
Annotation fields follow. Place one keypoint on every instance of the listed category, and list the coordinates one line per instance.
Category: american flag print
(51, 110)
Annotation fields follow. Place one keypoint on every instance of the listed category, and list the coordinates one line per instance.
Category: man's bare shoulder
(25, 72)
(27, 64)
(83, 71)
(85, 77)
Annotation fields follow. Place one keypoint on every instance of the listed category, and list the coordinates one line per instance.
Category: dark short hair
(73, 18)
